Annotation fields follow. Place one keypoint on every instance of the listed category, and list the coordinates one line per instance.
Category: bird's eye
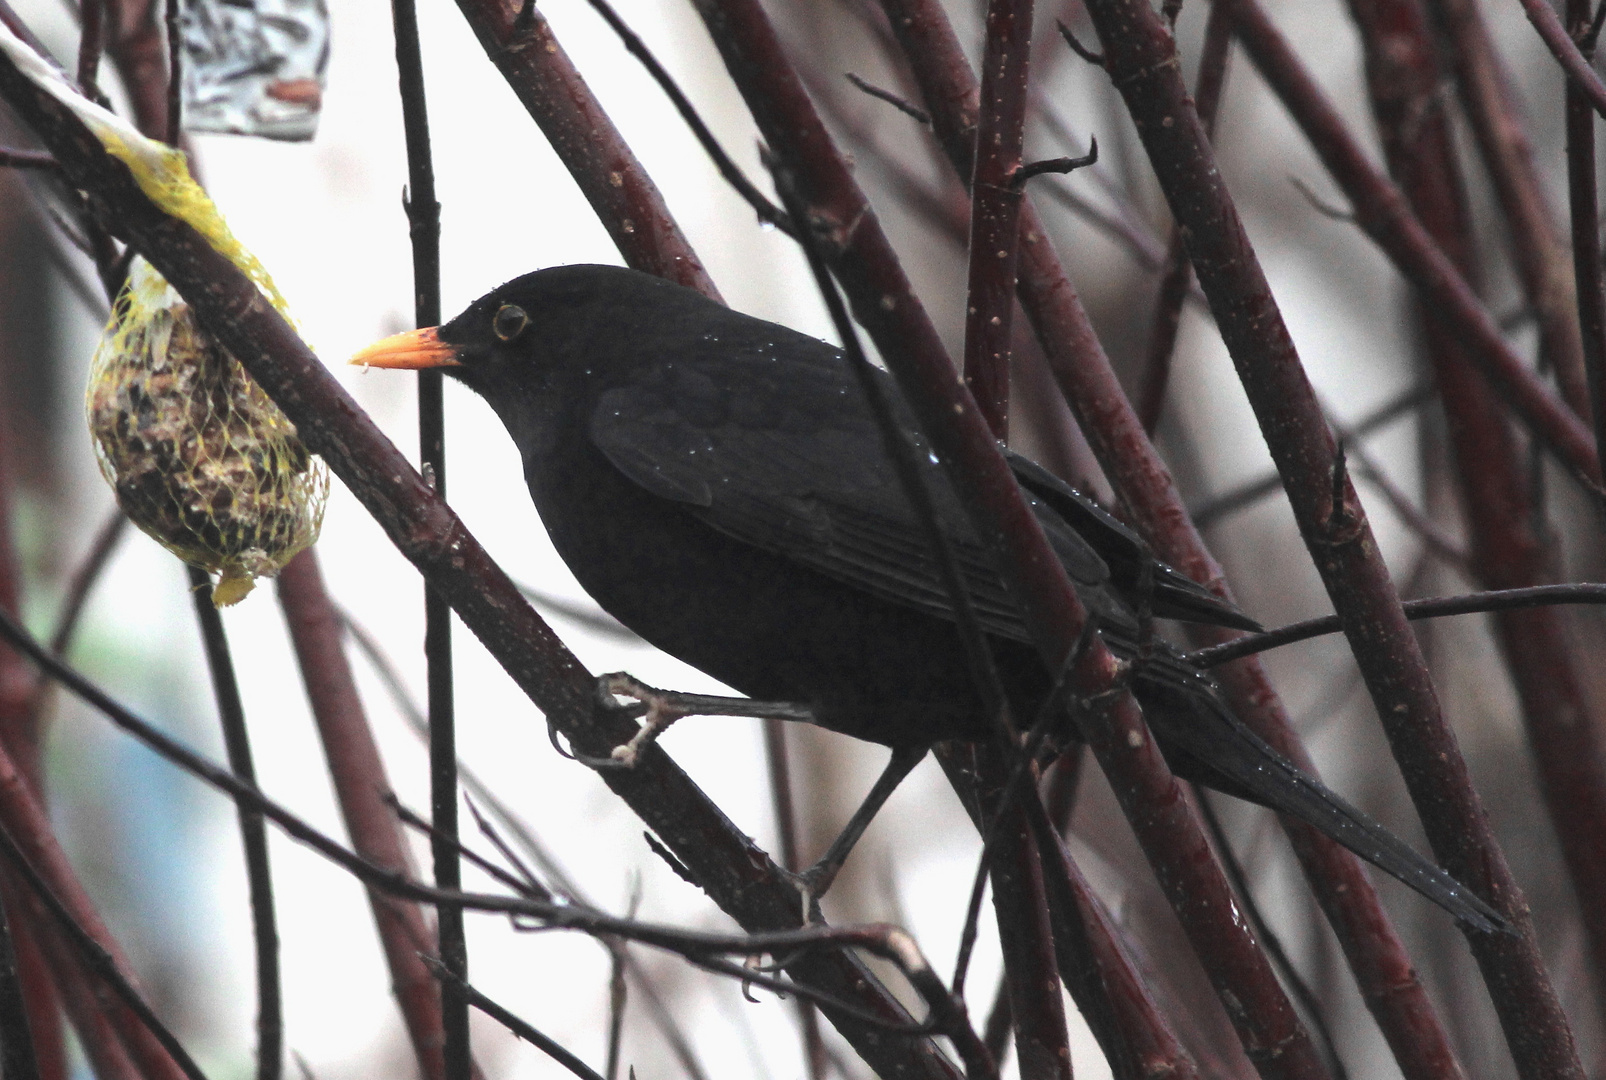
(509, 322)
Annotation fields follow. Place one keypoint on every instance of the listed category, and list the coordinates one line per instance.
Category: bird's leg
(664, 707)
(818, 878)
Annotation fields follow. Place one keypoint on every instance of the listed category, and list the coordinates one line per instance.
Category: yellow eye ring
(509, 322)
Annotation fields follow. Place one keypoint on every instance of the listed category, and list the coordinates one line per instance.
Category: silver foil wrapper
(255, 67)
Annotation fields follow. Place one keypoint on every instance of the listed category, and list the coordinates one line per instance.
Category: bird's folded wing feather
(830, 500)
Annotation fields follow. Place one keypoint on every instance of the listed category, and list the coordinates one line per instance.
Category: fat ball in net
(200, 457)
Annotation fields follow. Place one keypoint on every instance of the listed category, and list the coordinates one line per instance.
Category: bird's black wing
(1174, 594)
(790, 459)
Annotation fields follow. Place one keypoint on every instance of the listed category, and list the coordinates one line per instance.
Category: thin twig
(84, 577)
(728, 169)
(1433, 537)
(105, 967)
(253, 832)
(1434, 608)
(1058, 166)
(1087, 54)
(1247, 494)
(919, 115)
(522, 1028)
(779, 771)
(423, 218)
(521, 885)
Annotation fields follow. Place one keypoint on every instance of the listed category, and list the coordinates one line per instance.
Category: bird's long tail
(1203, 741)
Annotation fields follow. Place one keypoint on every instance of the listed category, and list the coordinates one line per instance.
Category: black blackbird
(719, 485)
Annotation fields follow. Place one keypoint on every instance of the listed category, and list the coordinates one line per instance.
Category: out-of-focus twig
(1382, 212)
(360, 784)
(1484, 86)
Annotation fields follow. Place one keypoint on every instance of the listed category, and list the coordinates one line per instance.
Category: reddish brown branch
(1375, 952)
(1580, 75)
(21, 736)
(134, 45)
(521, 45)
(863, 259)
(91, 40)
(1585, 215)
(1135, 1034)
(1501, 133)
(1016, 869)
(1141, 59)
(1041, 1037)
(79, 994)
(1565, 726)
(1382, 212)
(24, 819)
(361, 786)
(995, 209)
(1178, 271)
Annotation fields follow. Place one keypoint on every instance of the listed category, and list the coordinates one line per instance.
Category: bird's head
(538, 341)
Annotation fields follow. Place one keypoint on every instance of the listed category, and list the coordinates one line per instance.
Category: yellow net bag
(199, 456)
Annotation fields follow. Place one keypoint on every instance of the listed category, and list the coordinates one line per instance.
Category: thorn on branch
(1055, 165)
(524, 21)
(1326, 209)
(1339, 517)
(1094, 58)
(669, 857)
(920, 115)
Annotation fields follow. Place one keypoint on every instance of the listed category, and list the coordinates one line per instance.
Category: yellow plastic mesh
(199, 456)
(163, 174)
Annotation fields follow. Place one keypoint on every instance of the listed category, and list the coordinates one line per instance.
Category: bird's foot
(662, 710)
(664, 707)
(811, 884)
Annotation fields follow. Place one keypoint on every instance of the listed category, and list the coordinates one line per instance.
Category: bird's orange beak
(412, 351)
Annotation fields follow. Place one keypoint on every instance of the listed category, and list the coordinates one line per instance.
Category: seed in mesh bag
(199, 456)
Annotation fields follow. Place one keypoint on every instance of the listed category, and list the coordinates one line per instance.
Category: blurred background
(160, 852)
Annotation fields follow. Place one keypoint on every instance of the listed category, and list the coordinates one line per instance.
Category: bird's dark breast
(762, 624)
